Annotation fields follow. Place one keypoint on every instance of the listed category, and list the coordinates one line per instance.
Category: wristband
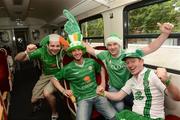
(167, 82)
(103, 94)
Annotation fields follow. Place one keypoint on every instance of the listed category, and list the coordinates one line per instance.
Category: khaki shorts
(42, 84)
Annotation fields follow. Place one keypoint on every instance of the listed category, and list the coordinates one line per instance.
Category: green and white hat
(74, 33)
(75, 42)
(132, 54)
(114, 38)
(53, 37)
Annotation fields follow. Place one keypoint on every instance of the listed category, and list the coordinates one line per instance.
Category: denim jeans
(118, 105)
(101, 104)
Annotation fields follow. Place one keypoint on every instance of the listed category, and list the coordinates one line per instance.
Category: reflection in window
(93, 28)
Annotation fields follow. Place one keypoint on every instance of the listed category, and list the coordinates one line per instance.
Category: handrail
(168, 69)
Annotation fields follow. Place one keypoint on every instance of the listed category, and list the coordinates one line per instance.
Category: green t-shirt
(82, 78)
(116, 68)
(50, 63)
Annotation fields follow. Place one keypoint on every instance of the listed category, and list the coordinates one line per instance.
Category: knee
(46, 94)
(33, 100)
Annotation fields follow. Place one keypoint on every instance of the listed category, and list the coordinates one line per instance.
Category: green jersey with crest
(50, 63)
(116, 68)
(82, 78)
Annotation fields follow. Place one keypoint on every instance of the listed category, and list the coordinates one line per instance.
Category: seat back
(172, 117)
(4, 72)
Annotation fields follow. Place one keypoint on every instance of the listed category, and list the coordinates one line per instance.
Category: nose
(129, 65)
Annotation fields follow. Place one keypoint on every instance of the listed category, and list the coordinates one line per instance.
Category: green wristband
(103, 94)
(167, 82)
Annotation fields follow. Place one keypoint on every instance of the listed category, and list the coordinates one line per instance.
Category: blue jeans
(101, 104)
(118, 105)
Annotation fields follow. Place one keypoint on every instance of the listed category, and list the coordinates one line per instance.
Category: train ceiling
(47, 10)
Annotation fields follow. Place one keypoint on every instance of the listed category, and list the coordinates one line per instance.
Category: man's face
(54, 47)
(77, 54)
(113, 48)
(134, 65)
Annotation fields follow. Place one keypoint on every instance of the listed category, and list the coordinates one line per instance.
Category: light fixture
(19, 22)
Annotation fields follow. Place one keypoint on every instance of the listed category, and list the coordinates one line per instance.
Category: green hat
(74, 34)
(114, 38)
(75, 42)
(133, 54)
(53, 37)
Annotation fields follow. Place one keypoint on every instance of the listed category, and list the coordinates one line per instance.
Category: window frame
(89, 19)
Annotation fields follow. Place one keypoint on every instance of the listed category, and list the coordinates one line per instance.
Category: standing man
(112, 58)
(49, 54)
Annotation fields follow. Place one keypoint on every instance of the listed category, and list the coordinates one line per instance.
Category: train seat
(172, 117)
(4, 81)
(4, 72)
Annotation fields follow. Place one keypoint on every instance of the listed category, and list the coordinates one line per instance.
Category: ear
(142, 61)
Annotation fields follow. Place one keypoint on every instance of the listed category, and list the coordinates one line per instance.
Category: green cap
(133, 54)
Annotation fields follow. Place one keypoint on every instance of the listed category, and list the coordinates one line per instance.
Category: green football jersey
(116, 68)
(50, 63)
(82, 78)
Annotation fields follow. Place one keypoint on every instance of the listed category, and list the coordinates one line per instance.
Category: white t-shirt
(143, 105)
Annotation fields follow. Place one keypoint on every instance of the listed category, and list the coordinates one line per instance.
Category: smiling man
(80, 73)
(49, 54)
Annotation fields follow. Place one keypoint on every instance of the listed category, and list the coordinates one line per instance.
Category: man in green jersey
(80, 73)
(49, 54)
(116, 68)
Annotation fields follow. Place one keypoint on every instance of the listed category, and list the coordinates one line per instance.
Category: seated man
(147, 88)
(81, 75)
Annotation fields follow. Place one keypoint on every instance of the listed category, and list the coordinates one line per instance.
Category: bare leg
(52, 102)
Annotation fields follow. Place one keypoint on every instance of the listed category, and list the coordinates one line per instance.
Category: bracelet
(103, 94)
(167, 82)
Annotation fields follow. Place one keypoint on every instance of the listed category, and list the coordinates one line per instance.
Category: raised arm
(89, 49)
(22, 56)
(172, 90)
(166, 29)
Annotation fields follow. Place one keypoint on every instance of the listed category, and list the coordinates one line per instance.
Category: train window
(93, 29)
(140, 29)
(142, 17)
